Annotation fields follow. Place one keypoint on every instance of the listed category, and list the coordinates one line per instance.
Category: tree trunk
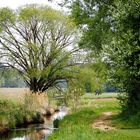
(133, 104)
(34, 85)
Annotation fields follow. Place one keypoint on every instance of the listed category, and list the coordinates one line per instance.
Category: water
(36, 131)
(32, 132)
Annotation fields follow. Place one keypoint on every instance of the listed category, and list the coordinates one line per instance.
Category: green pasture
(78, 125)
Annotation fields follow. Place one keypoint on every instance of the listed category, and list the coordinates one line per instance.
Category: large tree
(112, 27)
(93, 19)
(124, 52)
(35, 41)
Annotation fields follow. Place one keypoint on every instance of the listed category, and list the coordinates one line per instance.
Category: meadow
(79, 124)
(12, 93)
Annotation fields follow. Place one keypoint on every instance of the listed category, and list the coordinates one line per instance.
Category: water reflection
(38, 131)
(34, 132)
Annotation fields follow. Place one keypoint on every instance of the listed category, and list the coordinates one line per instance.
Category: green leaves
(92, 17)
(6, 15)
(124, 51)
(92, 76)
(28, 12)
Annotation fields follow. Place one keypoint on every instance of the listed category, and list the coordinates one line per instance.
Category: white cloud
(17, 3)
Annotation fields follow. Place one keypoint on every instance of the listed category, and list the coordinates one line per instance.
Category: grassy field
(78, 125)
(15, 93)
(12, 93)
(103, 95)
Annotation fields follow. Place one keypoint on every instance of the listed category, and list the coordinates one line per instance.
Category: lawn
(78, 125)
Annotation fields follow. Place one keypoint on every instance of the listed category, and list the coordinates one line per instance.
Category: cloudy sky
(17, 3)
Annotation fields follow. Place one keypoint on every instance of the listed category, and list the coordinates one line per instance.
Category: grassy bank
(13, 114)
(20, 110)
(78, 125)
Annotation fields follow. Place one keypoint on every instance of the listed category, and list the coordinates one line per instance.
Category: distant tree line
(10, 78)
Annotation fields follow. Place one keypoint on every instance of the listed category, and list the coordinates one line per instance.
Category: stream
(35, 131)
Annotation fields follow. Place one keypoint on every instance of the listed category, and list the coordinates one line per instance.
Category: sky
(14, 4)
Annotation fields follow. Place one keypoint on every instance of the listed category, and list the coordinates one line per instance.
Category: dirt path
(102, 122)
(105, 99)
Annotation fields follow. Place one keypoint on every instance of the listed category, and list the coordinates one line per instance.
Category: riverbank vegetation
(13, 114)
(78, 125)
(22, 110)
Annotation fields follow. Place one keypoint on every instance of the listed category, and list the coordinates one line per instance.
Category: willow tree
(35, 41)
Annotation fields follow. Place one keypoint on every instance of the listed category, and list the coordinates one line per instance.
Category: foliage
(108, 87)
(68, 96)
(10, 78)
(127, 122)
(35, 41)
(93, 76)
(88, 78)
(74, 93)
(112, 29)
(125, 48)
(93, 19)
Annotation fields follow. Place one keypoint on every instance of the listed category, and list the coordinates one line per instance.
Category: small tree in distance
(34, 41)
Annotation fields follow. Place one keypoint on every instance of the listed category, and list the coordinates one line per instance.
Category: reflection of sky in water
(59, 115)
(37, 135)
(19, 138)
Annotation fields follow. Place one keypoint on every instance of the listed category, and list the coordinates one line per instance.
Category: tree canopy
(35, 41)
(124, 52)
(111, 28)
(93, 19)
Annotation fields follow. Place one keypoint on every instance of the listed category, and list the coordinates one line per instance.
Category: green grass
(84, 132)
(103, 95)
(127, 122)
(13, 114)
(18, 106)
(77, 126)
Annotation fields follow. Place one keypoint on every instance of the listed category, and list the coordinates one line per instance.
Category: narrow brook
(36, 131)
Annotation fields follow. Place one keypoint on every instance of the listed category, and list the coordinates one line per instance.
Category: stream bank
(36, 131)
